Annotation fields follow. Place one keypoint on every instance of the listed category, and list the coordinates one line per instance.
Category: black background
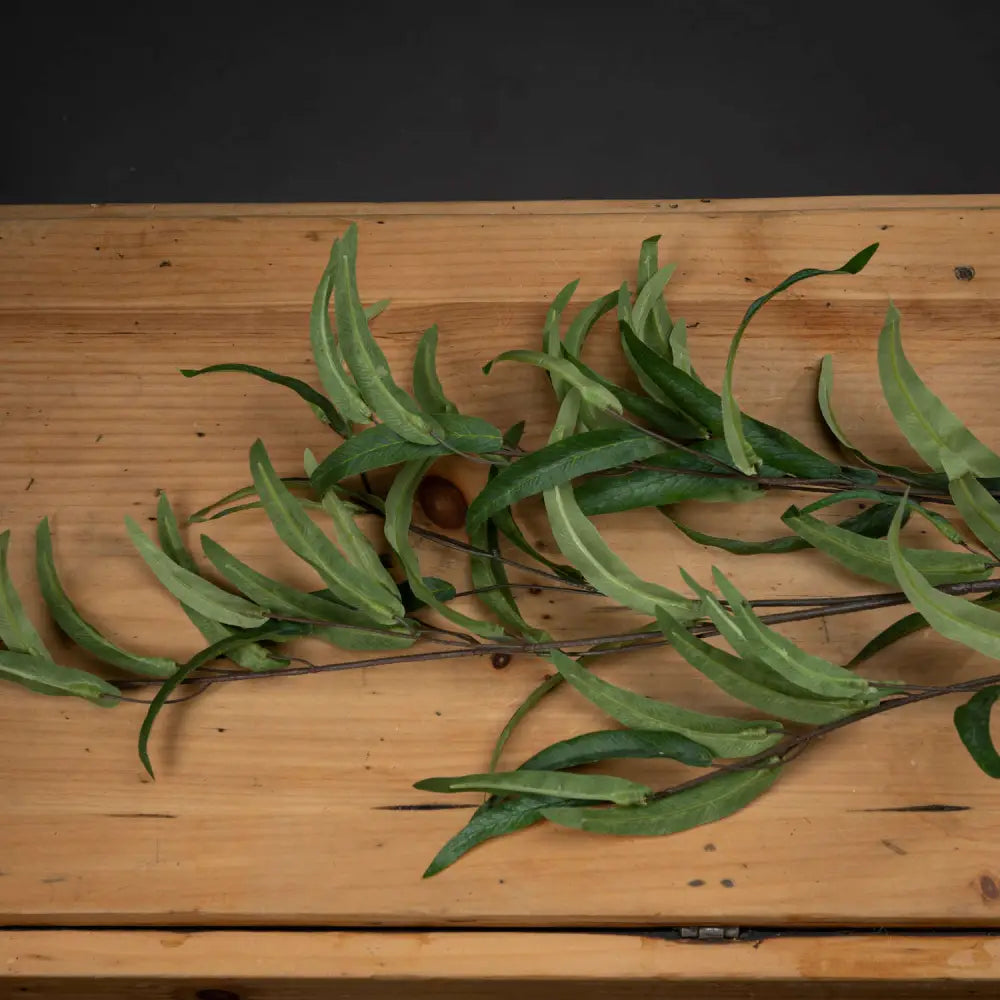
(175, 102)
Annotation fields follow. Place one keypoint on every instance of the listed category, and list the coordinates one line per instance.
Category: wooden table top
(266, 806)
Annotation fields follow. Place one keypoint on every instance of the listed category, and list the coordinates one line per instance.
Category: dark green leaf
(609, 744)
(870, 557)
(536, 695)
(327, 411)
(596, 787)
(16, 631)
(365, 358)
(559, 462)
(426, 385)
(76, 626)
(40, 674)
(972, 720)
(723, 737)
(380, 446)
(494, 819)
(441, 589)
(715, 799)
(773, 445)
(740, 447)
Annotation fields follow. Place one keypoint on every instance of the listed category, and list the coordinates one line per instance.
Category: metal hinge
(710, 933)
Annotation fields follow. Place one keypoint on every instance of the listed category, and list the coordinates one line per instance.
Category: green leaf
(441, 589)
(253, 657)
(872, 523)
(551, 337)
(558, 462)
(664, 419)
(307, 540)
(771, 444)
(870, 557)
(426, 385)
(927, 481)
(979, 509)
(679, 347)
(929, 426)
(224, 647)
(739, 446)
(754, 640)
(610, 744)
(649, 315)
(76, 627)
(327, 410)
(963, 621)
(972, 720)
(494, 819)
(16, 631)
(536, 695)
(753, 682)
(657, 487)
(508, 527)
(376, 309)
(378, 447)
(191, 589)
(598, 787)
(281, 599)
(38, 673)
(581, 543)
(365, 359)
(584, 321)
(398, 515)
(570, 375)
(339, 386)
(720, 797)
(723, 737)
(242, 493)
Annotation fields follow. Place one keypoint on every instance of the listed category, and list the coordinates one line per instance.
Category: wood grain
(483, 966)
(266, 810)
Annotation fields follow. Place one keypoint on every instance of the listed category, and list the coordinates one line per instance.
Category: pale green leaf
(427, 386)
(570, 375)
(597, 787)
(39, 674)
(16, 630)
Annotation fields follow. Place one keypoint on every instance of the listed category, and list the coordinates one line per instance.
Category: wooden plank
(266, 810)
(301, 965)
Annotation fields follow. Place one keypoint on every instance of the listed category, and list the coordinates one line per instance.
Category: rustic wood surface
(476, 965)
(266, 808)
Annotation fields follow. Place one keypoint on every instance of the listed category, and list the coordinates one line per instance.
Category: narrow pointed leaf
(570, 375)
(494, 819)
(191, 589)
(398, 515)
(871, 557)
(16, 630)
(296, 482)
(772, 445)
(76, 627)
(307, 540)
(736, 439)
(978, 508)
(714, 800)
(596, 787)
(327, 410)
(679, 347)
(39, 674)
(281, 599)
(723, 737)
(279, 631)
(552, 337)
(650, 317)
(380, 446)
(582, 545)
(584, 321)
(365, 358)
(253, 657)
(508, 527)
(427, 386)
(963, 621)
(972, 721)
(441, 589)
(537, 694)
(558, 462)
(614, 744)
(339, 386)
(926, 422)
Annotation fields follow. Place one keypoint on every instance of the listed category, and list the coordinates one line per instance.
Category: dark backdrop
(174, 102)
